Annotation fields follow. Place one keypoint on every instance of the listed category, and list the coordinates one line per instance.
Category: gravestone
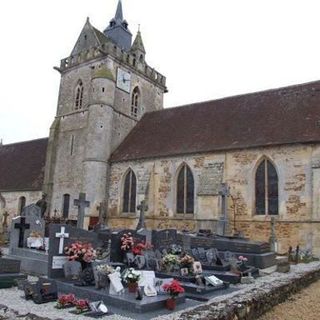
(56, 260)
(31, 211)
(72, 270)
(9, 265)
(163, 239)
(116, 254)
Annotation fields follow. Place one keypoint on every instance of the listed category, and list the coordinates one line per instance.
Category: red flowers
(80, 252)
(82, 305)
(129, 243)
(173, 288)
(66, 300)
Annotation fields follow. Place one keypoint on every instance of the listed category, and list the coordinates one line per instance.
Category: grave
(258, 253)
(163, 239)
(32, 261)
(10, 272)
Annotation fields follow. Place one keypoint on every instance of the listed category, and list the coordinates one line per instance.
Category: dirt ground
(301, 306)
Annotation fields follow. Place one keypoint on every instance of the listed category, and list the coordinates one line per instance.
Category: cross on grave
(22, 226)
(62, 235)
(224, 193)
(142, 207)
(81, 203)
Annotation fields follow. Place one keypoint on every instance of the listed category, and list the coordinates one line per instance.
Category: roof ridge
(262, 92)
(22, 142)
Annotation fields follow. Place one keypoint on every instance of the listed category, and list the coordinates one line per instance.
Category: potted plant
(82, 252)
(131, 277)
(173, 288)
(243, 263)
(66, 301)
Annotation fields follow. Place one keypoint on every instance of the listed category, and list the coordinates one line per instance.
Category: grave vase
(171, 303)
(132, 287)
(85, 265)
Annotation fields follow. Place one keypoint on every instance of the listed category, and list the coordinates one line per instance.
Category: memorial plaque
(9, 265)
(58, 262)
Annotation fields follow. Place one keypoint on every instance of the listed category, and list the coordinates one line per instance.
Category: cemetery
(137, 273)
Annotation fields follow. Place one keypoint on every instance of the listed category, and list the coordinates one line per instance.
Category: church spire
(138, 44)
(119, 14)
(118, 30)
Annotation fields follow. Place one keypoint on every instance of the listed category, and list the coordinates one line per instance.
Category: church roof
(22, 165)
(274, 117)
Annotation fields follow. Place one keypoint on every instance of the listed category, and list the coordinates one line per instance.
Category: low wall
(253, 303)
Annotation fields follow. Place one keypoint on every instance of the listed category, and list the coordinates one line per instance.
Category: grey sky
(207, 49)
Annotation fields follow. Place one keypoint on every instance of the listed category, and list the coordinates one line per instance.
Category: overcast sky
(207, 49)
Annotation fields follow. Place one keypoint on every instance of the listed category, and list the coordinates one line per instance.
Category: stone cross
(62, 235)
(22, 226)
(224, 193)
(5, 218)
(273, 238)
(142, 207)
(81, 203)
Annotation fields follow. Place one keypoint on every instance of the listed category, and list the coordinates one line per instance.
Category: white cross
(62, 235)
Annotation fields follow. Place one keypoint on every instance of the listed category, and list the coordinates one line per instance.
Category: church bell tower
(106, 87)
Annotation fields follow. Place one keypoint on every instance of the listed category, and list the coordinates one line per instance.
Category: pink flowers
(66, 300)
(126, 242)
(82, 305)
(242, 259)
(80, 252)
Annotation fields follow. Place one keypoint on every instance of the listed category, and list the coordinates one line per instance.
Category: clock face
(123, 80)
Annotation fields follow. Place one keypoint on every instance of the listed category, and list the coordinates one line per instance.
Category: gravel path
(301, 306)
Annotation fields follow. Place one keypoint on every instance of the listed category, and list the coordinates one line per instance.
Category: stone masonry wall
(296, 224)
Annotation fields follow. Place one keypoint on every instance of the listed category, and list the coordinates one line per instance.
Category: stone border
(252, 301)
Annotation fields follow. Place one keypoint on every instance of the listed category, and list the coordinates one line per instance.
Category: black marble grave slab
(9, 265)
(205, 293)
(125, 301)
(163, 239)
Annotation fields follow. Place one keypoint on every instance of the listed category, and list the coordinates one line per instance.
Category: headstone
(116, 286)
(202, 254)
(56, 259)
(142, 207)
(9, 265)
(81, 203)
(162, 239)
(32, 211)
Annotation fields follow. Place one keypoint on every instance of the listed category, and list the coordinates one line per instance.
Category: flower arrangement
(105, 269)
(138, 248)
(170, 259)
(127, 242)
(131, 275)
(173, 288)
(66, 300)
(79, 251)
(82, 305)
(186, 261)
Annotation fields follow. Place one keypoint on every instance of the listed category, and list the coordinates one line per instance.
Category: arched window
(266, 188)
(66, 205)
(79, 96)
(185, 190)
(129, 192)
(135, 102)
(21, 204)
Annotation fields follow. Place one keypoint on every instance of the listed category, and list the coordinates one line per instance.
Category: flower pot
(171, 304)
(132, 287)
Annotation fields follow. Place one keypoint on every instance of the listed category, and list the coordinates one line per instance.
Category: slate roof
(22, 165)
(274, 117)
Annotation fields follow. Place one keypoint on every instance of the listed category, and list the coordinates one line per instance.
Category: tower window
(266, 188)
(79, 96)
(135, 102)
(185, 190)
(129, 192)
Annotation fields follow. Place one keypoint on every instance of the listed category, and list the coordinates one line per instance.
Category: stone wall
(12, 201)
(298, 221)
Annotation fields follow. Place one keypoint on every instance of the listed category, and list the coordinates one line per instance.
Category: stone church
(112, 140)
